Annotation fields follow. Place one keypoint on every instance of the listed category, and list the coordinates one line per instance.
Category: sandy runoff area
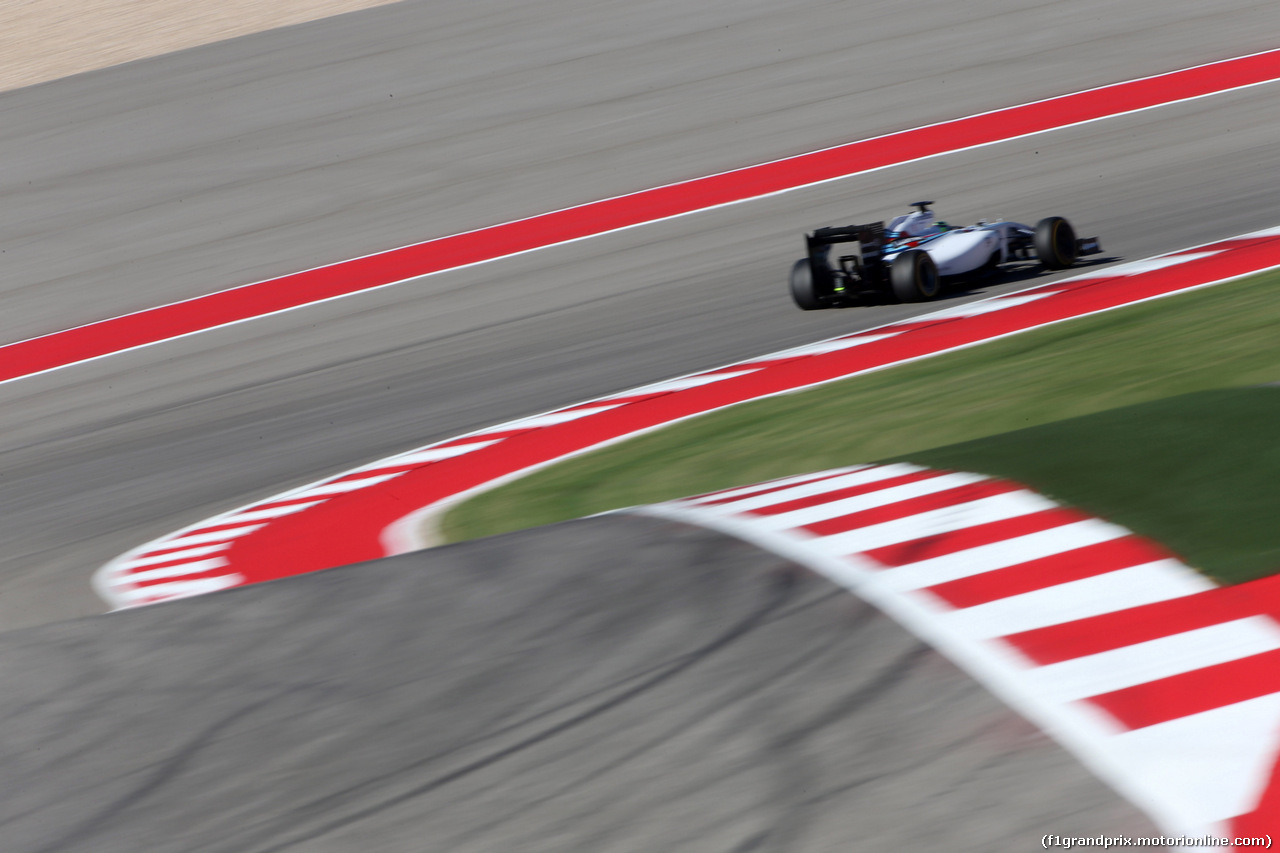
(46, 39)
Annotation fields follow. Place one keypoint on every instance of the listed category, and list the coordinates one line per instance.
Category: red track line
(166, 322)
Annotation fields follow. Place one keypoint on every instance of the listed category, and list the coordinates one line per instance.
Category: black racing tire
(1055, 243)
(914, 276)
(802, 289)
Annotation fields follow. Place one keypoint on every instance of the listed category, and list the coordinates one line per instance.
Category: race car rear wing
(867, 235)
(851, 272)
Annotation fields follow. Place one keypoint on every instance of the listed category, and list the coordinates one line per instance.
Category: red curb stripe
(918, 550)
(171, 561)
(202, 574)
(118, 334)
(1109, 631)
(913, 506)
(841, 494)
(1193, 692)
(737, 493)
(1064, 567)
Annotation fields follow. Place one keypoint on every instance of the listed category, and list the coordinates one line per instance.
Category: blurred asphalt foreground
(605, 684)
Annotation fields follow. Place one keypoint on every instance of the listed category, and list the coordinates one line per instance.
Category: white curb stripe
(1002, 554)
(170, 556)
(1106, 593)
(683, 383)
(422, 457)
(871, 500)
(1140, 663)
(833, 345)
(268, 512)
(1146, 265)
(181, 589)
(769, 486)
(202, 538)
(936, 522)
(974, 309)
(554, 418)
(860, 477)
(340, 487)
(1207, 767)
(175, 571)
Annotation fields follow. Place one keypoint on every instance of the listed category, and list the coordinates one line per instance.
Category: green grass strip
(1199, 473)
(1226, 336)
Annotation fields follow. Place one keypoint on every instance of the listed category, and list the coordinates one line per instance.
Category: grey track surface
(480, 698)
(268, 714)
(272, 153)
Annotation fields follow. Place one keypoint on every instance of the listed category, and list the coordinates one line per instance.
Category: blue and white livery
(913, 257)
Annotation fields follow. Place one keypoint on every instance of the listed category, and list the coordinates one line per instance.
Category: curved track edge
(376, 509)
(1150, 674)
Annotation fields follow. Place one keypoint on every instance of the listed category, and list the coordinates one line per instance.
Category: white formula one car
(911, 258)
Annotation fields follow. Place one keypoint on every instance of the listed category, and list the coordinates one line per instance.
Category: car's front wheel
(914, 276)
(1056, 243)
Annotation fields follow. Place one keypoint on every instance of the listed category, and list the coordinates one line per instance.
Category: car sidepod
(964, 250)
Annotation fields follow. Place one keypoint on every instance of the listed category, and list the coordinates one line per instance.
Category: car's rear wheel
(802, 289)
(1055, 243)
(914, 276)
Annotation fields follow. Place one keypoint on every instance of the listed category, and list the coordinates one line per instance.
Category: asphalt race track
(272, 153)
(276, 152)
(480, 698)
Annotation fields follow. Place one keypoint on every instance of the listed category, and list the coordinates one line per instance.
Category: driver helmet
(915, 224)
